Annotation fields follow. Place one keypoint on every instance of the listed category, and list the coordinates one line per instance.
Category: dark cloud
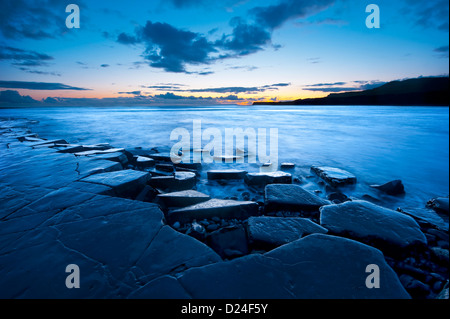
(443, 49)
(33, 19)
(39, 72)
(170, 48)
(173, 49)
(275, 16)
(131, 93)
(343, 86)
(37, 86)
(20, 57)
(432, 14)
(239, 89)
(245, 38)
(104, 65)
(127, 39)
(13, 97)
(181, 4)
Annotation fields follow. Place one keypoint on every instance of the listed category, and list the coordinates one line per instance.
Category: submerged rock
(183, 199)
(392, 188)
(440, 204)
(271, 232)
(124, 183)
(280, 197)
(226, 174)
(362, 220)
(263, 179)
(334, 176)
(226, 209)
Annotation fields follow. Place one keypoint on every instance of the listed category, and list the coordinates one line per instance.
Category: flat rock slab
(124, 183)
(271, 232)
(183, 199)
(263, 179)
(334, 176)
(224, 209)
(226, 174)
(99, 152)
(117, 243)
(362, 220)
(315, 267)
(118, 157)
(143, 162)
(280, 197)
(179, 182)
(49, 143)
(287, 165)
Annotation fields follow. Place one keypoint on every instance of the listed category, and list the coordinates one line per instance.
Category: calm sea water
(376, 143)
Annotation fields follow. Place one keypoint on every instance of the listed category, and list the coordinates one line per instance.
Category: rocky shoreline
(141, 227)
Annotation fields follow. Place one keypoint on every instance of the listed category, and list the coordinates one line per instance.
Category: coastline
(77, 187)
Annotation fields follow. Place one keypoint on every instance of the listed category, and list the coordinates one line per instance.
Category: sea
(377, 144)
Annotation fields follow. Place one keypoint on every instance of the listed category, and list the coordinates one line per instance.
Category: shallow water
(376, 143)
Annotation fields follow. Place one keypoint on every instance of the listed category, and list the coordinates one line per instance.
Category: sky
(204, 52)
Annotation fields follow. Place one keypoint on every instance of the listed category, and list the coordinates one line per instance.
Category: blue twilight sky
(208, 52)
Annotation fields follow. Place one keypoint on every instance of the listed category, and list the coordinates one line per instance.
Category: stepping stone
(263, 179)
(223, 209)
(143, 162)
(118, 157)
(49, 143)
(165, 167)
(316, 267)
(334, 176)
(165, 157)
(179, 182)
(69, 148)
(362, 220)
(183, 199)
(279, 197)
(271, 232)
(125, 183)
(99, 152)
(229, 174)
(287, 165)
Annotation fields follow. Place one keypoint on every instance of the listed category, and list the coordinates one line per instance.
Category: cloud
(442, 52)
(343, 86)
(37, 86)
(433, 14)
(13, 97)
(20, 19)
(20, 57)
(104, 65)
(131, 93)
(245, 38)
(274, 16)
(237, 89)
(170, 48)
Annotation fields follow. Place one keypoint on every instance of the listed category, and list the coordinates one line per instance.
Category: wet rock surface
(140, 226)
